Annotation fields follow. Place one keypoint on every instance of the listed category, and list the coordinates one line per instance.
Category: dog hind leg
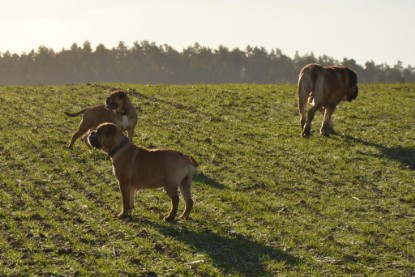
(76, 136)
(330, 126)
(174, 196)
(318, 94)
(303, 94)
(185, 190)
(304, 88)
(82, 129)
(327, 126)
(310, 116)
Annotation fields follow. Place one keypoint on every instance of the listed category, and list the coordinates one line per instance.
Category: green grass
(267, 202)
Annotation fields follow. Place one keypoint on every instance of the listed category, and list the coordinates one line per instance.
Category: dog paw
(122, 215)
(332, 131)
(184, 216)
(168, 218)
(305, 135)
(306, 132)
(326, 134)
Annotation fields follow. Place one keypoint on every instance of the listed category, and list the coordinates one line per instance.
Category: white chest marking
(125, 123)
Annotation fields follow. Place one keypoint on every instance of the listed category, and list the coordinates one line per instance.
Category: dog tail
(193, 161)
(75, 114)
(304, 87)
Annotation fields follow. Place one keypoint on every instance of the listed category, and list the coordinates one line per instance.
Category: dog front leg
(130, 133)
(85, 139)
(127, 193)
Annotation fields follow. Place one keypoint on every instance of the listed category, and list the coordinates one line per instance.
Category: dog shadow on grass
(202, 178)
(232, 254)
(404, 155)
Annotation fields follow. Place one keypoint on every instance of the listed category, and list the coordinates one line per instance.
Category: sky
(365, 30)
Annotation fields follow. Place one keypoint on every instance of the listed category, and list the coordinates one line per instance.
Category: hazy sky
(378, 30)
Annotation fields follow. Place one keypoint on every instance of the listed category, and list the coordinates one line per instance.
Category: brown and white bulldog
(139, 168)
(324, 88)
(118, 110)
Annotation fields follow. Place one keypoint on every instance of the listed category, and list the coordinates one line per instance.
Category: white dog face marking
(125, 123)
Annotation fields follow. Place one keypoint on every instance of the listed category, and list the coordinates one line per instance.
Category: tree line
(148, 63)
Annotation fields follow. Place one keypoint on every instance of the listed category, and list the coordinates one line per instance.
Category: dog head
(106, 137)
(93, 140)
(353, 88)
(116, 101)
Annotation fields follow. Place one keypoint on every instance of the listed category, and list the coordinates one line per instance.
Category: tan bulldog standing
(138, 168)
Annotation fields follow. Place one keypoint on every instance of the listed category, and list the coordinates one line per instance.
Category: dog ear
(121, 95)
(352, 78)
(118, 94)
(353, 88)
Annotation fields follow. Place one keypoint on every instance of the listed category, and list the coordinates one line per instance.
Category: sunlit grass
(267, 202)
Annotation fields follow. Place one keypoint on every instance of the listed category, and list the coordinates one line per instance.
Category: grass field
(267, 202)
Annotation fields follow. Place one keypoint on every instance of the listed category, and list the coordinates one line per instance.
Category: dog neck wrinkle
(118, 147)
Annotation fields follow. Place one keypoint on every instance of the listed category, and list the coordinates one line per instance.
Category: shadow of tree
(235, 254)
(403, 155)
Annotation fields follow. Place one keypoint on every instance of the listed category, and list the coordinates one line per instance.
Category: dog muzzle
(111, 105)
(93, 140)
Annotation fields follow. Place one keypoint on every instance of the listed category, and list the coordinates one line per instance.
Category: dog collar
(118, 147)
